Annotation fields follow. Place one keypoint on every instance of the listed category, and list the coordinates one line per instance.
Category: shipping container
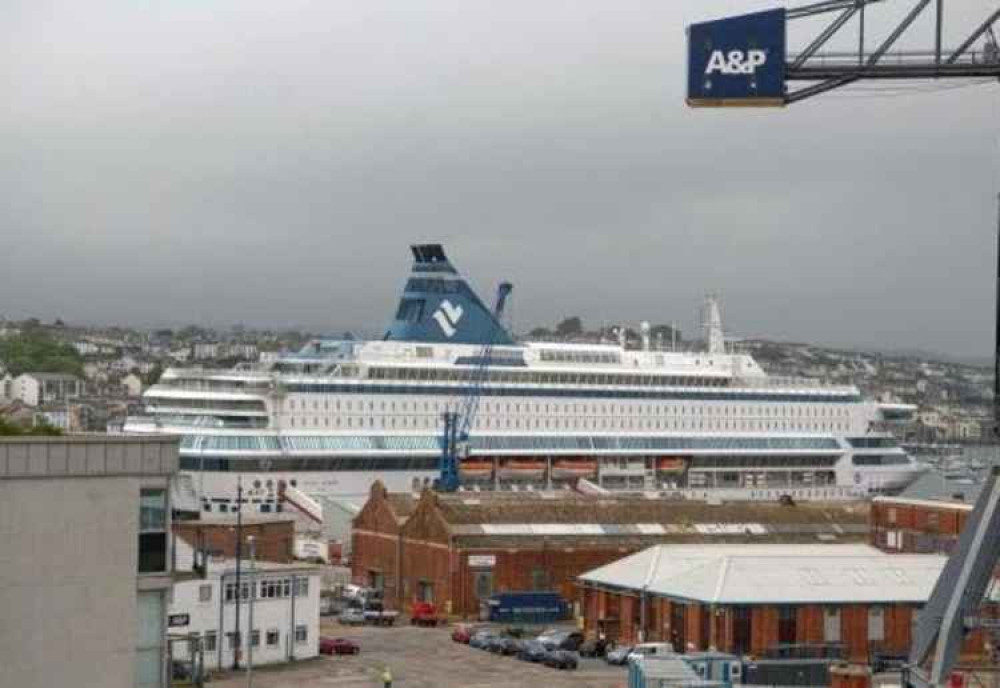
(527, 607)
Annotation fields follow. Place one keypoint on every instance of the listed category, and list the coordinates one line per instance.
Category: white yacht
(330, 419)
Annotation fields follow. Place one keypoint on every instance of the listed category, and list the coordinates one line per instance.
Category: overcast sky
(224, 161)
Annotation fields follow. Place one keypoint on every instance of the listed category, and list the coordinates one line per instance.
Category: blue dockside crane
(457, 424)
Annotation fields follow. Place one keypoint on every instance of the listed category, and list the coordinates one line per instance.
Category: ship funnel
(439, 307)
(711, 323)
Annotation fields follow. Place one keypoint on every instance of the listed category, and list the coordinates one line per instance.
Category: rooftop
(774, 574)
(88, 456)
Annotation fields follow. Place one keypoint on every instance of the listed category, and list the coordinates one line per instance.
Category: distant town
(88, 379)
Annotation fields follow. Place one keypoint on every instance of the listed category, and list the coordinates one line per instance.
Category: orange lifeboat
(523, 469)
(574, 468)
(671, 464)
(476, 469)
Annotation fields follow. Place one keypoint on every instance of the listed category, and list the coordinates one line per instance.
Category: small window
(831, 625)
(301, 587)
(301, 634)
(273, 637)
(876, 623)
(208, 642)
(234, 640)
(204, 593)
(254, 638)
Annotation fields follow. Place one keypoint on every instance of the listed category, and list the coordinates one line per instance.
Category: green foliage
(8, 429)
(36, 352)
(569, 327)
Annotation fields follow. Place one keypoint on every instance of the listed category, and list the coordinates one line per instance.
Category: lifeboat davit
(671, 464)
(522, 469)
(574, 468)
(476, 469)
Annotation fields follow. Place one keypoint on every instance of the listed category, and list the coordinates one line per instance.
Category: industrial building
(917, 525)
(751, 599)
(85, 569)
(459, 549)
(274, 535)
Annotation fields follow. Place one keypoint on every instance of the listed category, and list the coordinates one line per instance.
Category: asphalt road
(422, 658)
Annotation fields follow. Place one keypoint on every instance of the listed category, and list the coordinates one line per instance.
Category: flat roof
(774, 574)
(91, 456)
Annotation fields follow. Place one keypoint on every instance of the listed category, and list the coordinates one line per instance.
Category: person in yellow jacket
(387, 678)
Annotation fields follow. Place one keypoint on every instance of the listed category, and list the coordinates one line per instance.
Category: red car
(462, 634)
(338, 646)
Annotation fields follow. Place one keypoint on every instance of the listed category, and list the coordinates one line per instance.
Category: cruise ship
(327, 421)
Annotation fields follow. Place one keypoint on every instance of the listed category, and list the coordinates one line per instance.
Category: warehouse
(457, 550)
(917, 525)
(750, 599)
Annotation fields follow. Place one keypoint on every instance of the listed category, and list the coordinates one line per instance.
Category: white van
(651, 650)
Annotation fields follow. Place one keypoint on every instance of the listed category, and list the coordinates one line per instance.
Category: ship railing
(774, 382)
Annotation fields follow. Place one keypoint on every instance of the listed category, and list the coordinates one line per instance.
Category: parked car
(338, 646)
(481, 638)
(595, 647)
(505, 645)
(560, 659)
(651, 650)
(532, 651)
(562, 640)
(425, 614)
(619, 655)
(351, 617)
(463, 633)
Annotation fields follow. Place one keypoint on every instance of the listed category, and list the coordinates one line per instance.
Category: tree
(570, 327)
(37, 352)
(8, 429)
(540, 333)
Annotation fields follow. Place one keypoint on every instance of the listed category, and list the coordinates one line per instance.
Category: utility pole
(239, 555)
(996, 337)
(252, 541)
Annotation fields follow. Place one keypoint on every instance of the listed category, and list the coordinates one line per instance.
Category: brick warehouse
(274, 535)
(917, 525)
(750, 599)
(458, 549)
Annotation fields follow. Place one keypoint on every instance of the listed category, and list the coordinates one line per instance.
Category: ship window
(411, 310)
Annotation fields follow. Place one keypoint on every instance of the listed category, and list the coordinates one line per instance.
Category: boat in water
(328, 420)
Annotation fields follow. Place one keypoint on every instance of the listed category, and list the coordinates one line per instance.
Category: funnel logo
(735, 61)
(447, 316)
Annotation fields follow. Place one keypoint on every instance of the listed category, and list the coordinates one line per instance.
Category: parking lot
(423, 658)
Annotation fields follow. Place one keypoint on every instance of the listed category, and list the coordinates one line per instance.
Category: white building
(84, 565)
(285, 612)
(204, 351)
(35, 389)
(132, 384)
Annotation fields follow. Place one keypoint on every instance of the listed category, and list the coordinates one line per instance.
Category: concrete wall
(68, 561)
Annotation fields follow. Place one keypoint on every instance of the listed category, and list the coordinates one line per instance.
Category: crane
(458, 423)
(743, 61)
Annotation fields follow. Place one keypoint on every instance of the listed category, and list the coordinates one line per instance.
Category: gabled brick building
(459, 549)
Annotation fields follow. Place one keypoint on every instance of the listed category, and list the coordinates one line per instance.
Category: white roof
(775, 574)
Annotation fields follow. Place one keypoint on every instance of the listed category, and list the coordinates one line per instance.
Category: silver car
(352, 617)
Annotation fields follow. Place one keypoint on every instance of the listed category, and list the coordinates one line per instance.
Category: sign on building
(482, 561)
(737, 61)
(178, 620)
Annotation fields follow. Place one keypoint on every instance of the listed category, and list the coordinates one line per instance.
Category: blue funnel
(439, 307)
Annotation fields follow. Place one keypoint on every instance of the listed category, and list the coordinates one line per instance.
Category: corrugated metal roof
(774, 574)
